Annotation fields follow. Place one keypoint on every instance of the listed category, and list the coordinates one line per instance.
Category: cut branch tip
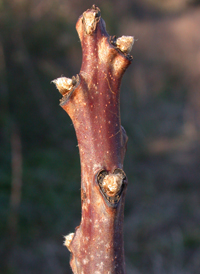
(91, 18)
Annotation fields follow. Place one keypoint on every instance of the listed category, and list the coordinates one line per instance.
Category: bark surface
(91, 99)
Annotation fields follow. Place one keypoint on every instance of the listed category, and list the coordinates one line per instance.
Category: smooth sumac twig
(91, 99)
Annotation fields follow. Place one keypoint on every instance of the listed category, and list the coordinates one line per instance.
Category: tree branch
(92, 101)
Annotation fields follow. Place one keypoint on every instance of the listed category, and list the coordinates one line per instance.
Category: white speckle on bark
(85, 261)
(100, 265)
(96, 167)
(92, 257)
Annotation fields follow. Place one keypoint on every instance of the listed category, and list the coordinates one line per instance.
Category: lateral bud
(112, 184)
(68, 240)
(125, 43)
(64, 84)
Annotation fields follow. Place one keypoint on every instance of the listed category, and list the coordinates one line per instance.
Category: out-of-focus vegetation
(160, 103)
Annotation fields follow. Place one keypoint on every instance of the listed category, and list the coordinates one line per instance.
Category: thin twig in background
(16, 181)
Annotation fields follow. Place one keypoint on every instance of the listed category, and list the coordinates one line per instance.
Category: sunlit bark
(92, 101)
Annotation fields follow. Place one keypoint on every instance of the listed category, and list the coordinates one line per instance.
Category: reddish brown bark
(92, 101)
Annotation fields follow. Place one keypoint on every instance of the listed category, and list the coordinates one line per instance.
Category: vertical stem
(16, 182)
(92, 101)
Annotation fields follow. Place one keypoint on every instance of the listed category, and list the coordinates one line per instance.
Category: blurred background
(160, 109)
